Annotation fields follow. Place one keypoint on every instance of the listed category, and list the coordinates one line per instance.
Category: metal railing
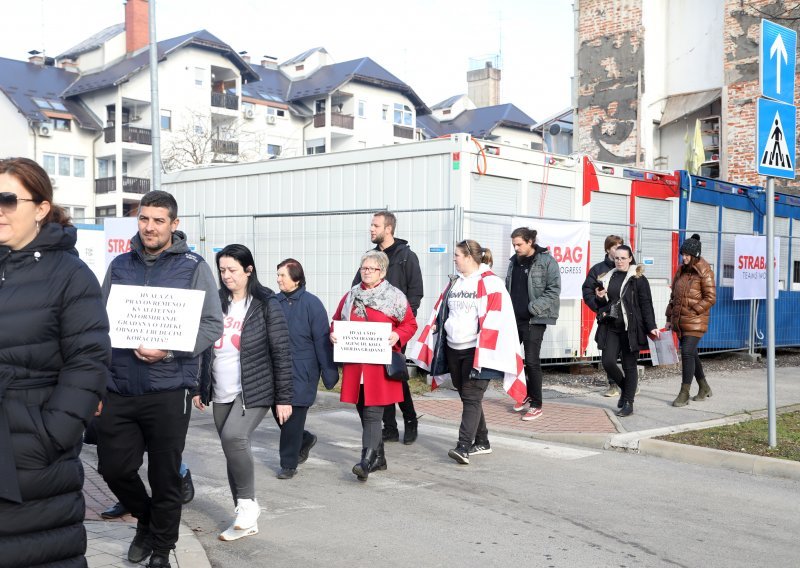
(229, 147)
(225, 100)
(403, 132)
(130, 134)
(129, 185)
(337, 119)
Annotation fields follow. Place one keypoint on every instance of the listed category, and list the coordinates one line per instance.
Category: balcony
(129, 185)
(337, 119)
(224, 100)
(403, 132)
(129, 134)
(229, 147)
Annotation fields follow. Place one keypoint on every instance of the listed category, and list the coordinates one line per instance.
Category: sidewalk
(579, 416)
(583, 416)
(108, 541)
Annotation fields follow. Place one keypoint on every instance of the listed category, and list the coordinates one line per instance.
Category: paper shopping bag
(662, 348)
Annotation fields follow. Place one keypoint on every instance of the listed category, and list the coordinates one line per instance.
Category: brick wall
(741, 35)
(609, 59)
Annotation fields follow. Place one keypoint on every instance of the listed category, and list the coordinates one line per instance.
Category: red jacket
(378, 390)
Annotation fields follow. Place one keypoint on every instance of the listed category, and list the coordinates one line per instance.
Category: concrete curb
(189, 553)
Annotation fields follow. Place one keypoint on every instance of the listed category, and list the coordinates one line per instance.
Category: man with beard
(403, 273)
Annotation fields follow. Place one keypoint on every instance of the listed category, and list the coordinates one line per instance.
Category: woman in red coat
(366, 385)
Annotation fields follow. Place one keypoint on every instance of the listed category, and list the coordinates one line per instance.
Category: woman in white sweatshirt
(475, 298)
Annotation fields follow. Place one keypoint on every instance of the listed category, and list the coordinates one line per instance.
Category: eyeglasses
(8, 201)
(621, 258)
(369, 269)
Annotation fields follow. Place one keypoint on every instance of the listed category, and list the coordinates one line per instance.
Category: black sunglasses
(8, 201)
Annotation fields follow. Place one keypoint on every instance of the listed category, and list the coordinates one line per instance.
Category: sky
(426, 43)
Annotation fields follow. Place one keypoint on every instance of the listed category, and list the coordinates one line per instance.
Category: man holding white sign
(148, 403)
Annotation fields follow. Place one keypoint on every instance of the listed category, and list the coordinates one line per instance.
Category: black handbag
(397, 369)
(612, 314)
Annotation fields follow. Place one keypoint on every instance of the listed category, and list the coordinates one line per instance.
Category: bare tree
(200, 139)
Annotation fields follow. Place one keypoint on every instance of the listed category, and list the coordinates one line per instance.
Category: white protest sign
(362, 342)
(568, 243)
(90, 249)
(158, 318)
(118, 234)
(750, 269)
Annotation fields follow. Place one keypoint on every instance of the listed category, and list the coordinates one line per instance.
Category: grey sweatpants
(235, 426)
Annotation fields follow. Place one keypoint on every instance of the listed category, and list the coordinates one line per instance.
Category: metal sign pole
(771, 310)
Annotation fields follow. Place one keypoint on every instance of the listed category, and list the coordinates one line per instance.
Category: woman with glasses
(363, 384)
(54, 358)
(625, 317)
(693, 295)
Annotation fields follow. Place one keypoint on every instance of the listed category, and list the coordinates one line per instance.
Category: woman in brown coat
(693, 294)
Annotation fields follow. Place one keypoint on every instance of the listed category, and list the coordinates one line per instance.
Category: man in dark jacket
(148, 403)
(404, 273)
(534, 283)
(590, 284)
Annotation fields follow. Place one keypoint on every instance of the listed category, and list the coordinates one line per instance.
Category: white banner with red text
(750, 267)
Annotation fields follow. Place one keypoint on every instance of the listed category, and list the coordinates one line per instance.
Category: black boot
(380, 460)
(390, 434)
(362, 468)
(626, 410)
(410, 433)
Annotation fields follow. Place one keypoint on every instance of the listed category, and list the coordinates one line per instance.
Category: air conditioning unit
(249, 113)
(53, 182)
(271, 119)
(136, 118)
(46, 129)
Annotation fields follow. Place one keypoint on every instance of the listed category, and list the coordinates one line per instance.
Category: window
(315, 147)
(446, 111)
(62, 124)
(362, 109)
(166, 119)
(280, 112)
(273, 150)
(109, 211)
(402, 114)
(49, 164)
(41, 103)
(385, 112)
(57, 105)
(79, 167)
(199, 76)
(198, 129)
(299, 67)
(78, 214)
(63, 165)
(319, 106)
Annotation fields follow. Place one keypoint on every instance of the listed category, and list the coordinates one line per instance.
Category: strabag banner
(568, 242)
(750, 267)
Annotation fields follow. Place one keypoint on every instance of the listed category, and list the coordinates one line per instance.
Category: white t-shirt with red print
(227, 371)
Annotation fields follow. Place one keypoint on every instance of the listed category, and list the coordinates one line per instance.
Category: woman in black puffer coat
(247, 371)
(54, 357)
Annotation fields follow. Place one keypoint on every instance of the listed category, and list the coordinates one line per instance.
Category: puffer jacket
(693, 295)
(265, 357)
(54, 359)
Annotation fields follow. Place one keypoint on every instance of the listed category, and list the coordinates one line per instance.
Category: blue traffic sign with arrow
(777, 61)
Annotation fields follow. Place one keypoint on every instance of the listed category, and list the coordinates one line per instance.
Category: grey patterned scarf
(384, 298)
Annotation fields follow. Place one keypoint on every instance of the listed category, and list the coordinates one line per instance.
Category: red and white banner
(569, 244)
(750, 267)
(118, 234)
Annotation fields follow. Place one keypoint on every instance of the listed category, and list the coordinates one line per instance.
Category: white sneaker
(247, 513)
(231, 533)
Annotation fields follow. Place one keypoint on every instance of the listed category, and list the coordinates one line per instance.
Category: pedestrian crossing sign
(775, 128)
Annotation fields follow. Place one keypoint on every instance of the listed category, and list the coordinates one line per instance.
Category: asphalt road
(528, 503)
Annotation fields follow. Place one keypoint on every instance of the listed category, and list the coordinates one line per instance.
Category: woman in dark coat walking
(312, 355)
(54, 357)
(245, 373)
(622, 330)
(693, 294)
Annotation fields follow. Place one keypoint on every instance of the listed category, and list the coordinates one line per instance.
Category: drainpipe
(35, 139)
